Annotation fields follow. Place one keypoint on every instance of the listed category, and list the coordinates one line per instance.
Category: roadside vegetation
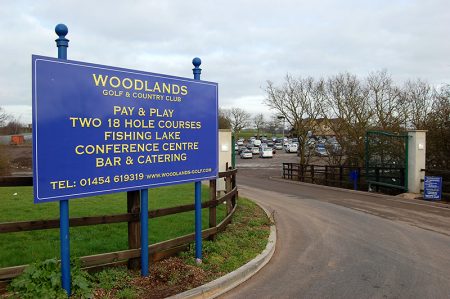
(243, 239)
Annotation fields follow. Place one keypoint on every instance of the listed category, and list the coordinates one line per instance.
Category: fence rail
(340, 176)
(130, 256)
(386, 179)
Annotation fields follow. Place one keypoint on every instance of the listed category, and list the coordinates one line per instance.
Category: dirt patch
(170, 277)
(166, 278)
(16, 158)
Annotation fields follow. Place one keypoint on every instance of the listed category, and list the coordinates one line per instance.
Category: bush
(43, 280)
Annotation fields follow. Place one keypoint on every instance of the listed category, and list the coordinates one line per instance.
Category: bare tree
(419, 96)
(14, 126)
(259, 122)
(296, 101)
(4, 117)
(224, 123)
(4, 159)
(273, 125)
(438, 125)
(238, 118)
(349, 114)
(386, 101)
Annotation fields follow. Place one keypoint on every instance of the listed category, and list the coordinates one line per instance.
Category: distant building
(320, 127)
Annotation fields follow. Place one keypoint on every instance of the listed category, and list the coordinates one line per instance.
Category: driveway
(339, 244)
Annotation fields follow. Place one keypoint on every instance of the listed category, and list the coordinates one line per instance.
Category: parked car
(240, 142)
(255, 150)
(292, 148)
(256, 142)
(321, 151)
(246, 154)
(241, 149)
(266, 152)
(278, 146)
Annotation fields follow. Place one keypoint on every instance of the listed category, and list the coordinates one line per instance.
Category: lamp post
(283, 118)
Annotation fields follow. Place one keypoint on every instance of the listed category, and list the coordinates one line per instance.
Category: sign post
(101, 129)
(63, 43)
(144, 232)
(198, 186)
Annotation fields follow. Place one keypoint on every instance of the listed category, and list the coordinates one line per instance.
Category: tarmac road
(335, 244)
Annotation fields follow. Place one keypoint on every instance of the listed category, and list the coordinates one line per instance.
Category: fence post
(359, 178)
(341, 175)
(312, 173)
(377, 177)
(233, 185)
(134, 227)
(402, 176)
(228, 189)
(326, 175)
(212, 209)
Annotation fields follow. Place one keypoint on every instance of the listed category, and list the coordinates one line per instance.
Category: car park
(255, 150)
(246, 154)
(278, 146)
(266, 152)
(240, 142)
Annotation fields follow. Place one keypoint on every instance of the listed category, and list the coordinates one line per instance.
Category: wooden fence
(339, 176)
(132, 255)
(387, 180)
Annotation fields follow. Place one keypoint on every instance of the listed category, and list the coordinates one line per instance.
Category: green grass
(16, 204)
(244, 238)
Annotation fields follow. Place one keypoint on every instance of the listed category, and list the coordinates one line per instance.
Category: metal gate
(386, 159)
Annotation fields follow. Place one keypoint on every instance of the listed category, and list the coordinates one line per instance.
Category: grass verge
(16, 204)
(243, 239)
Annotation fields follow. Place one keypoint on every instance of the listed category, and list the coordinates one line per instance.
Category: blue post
(198, 186)
(198, 222)
(62, 43)
(144, 232)
(196, 70)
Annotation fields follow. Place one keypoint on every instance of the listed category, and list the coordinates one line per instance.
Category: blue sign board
(432, 188)
(100, 129)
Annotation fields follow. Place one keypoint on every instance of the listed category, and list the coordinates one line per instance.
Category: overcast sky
(242, 44)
